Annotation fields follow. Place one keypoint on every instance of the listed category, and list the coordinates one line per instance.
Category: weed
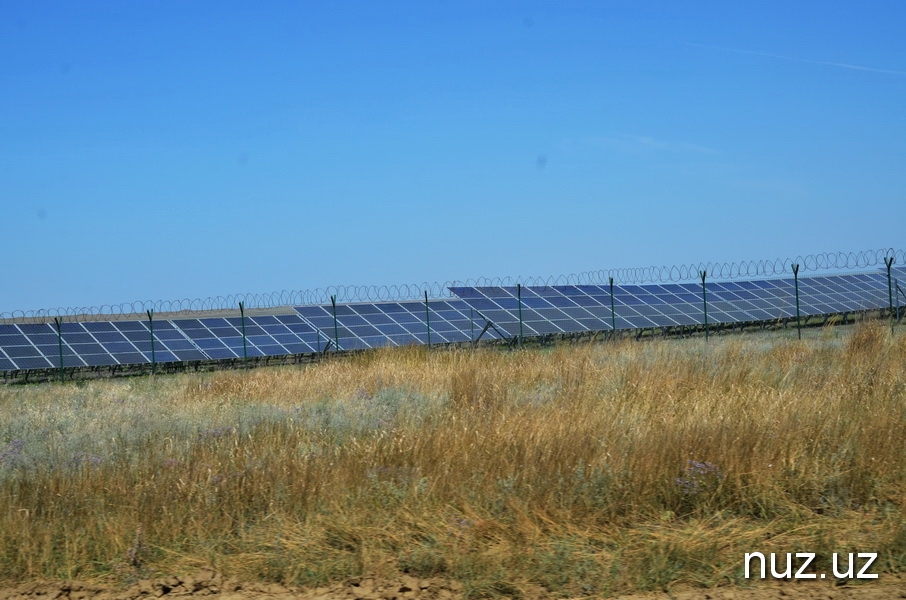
(586, 470)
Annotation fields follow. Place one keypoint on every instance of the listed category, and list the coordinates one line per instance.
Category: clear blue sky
(164, 150)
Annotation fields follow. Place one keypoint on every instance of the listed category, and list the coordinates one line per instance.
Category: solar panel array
(37, 345)
(488, 312)
(372, 325)
(578, 308)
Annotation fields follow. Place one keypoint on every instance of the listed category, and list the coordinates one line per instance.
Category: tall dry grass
(584, 469)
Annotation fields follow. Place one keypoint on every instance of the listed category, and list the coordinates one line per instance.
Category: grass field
(585, 469)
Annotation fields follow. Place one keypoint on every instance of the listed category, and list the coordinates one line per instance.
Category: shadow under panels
(579, 308)
(377, 324)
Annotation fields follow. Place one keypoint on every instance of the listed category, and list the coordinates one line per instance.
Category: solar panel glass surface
(372, 325)
(584, 308)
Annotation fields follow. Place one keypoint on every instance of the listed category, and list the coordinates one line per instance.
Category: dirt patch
(208, 583)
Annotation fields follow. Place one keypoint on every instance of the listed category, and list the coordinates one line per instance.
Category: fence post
(472, 323)
(519, 300)
(796, 282)
(60, 345)
(427, 319)
(896, 284)
(336, 331)
(889, 262)
(705, 300)
(150, 313)
(613, 313)
(245, 352)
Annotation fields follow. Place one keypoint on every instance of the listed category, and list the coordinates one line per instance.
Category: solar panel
(490, 312)
(372, 325)
(575, 309)
(38, 344)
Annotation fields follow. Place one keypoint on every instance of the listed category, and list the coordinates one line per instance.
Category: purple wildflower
(700, 476)
(11, 451)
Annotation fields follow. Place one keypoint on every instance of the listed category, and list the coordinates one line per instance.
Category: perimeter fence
(717, 271)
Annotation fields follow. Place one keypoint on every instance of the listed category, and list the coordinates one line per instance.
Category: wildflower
(80, 458)
(215, 433)
(700, 476)
(11, 451)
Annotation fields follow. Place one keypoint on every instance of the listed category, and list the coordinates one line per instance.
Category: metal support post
(336, 330)
(150, 313)
(613, 313)
(245, 351)
(59, 324)
(889, 263)
(427, 320)
(519, 300)
(705, 300)
(796, 281)
(897, 297)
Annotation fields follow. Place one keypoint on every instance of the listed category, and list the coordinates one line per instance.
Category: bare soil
(210, 584)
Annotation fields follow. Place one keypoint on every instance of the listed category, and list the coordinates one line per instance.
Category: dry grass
(585, 469)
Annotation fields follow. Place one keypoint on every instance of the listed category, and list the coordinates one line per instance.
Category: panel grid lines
(372, 325)
(660, 305)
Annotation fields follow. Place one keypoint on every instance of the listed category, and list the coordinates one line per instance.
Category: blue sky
(165, 150)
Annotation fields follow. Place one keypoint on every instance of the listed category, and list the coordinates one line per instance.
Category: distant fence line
(839, 261)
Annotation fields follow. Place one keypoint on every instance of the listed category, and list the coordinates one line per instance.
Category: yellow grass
(586, 469)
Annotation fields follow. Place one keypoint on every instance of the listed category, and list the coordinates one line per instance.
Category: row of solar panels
(372, 325)
(37, 345)
(532, 311)
(489, 312)
(570, 309)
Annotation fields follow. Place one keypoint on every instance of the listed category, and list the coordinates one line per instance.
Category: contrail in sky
(802, 60)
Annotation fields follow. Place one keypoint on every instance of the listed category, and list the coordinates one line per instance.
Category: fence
(717, 271)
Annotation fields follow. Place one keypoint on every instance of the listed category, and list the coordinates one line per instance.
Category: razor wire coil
(840, 261)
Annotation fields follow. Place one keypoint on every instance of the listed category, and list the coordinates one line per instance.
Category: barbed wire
(839, 261)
